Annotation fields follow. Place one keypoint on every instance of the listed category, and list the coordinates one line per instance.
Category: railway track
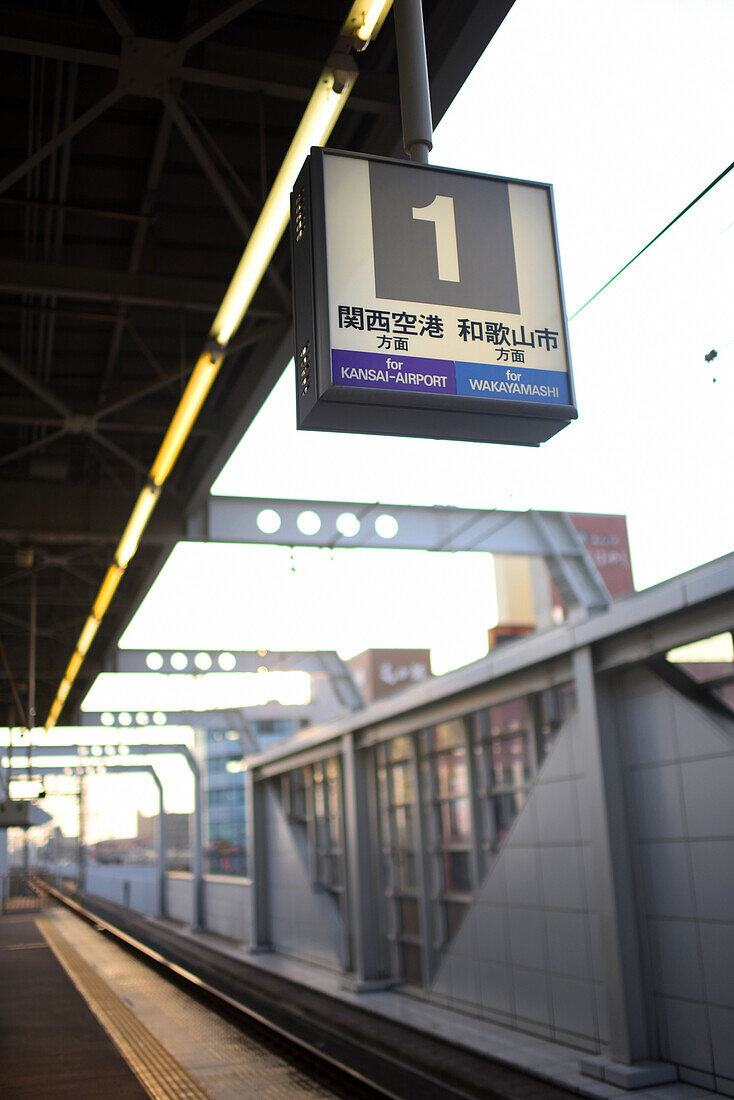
(352, 1051)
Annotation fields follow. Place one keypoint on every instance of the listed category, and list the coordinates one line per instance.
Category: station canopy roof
(139, 143)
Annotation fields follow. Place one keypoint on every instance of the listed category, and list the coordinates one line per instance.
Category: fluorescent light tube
(128, 544)
(85, 638)
(74, 665)
(106, 591)
(365, 20)
(318, 121)
(188, 409)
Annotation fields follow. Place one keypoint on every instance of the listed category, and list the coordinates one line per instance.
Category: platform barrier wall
(128, 885)
(227, 907)
(526, 954)
(226, 898)
(180, 896)
(304, 922)
(604, 918)
(680, 765)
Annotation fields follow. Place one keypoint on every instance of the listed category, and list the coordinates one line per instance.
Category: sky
(623, 106)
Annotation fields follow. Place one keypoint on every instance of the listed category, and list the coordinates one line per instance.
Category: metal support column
(4, 873)
(362, 872)
(32, 661)
(198, 918)
(415, 97)
(80, 876)
(161, 910)
(257, 862)
(613, 885)
(425, 893)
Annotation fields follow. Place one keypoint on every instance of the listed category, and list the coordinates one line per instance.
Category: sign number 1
(441, 213)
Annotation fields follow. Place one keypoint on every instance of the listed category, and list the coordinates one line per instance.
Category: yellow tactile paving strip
(218, 1059)
(159, 1073)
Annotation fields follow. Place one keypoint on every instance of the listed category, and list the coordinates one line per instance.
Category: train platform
(551, 1063)
(51, 1044)
(81, 1018)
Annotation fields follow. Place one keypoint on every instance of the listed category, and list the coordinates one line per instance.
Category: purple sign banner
(392, 372)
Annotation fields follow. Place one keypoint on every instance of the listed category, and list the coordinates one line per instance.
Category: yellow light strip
(128, 544)
(87, 635)
(74, 665)
(365, 20)
(188, 409)
(315, 127)
(318, 121)
(107, 591)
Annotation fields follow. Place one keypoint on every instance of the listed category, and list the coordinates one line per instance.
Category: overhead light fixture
(107, 591)
(128, 544)
(73, 667)
(322, 112)
(365, 20)
(87, 635)
(189, 407)
(319, 119)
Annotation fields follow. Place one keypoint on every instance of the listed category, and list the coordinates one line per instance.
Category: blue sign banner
(512, 382)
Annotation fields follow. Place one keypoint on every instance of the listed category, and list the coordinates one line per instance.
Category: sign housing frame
(323, 405)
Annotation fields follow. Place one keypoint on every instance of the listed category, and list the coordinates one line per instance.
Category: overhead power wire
(657, 237)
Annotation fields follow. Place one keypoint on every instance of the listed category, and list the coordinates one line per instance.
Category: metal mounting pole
(32, 664)
(81, 853)
(161, 907)
(415, 97)
(198, 922)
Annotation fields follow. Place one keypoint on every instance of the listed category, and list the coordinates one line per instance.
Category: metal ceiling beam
(38, 512)
(20, 374)
(59, 51)
(283, 78)
(240, 660)
(235, 519)
(280, 78)
(211, 172)
(93, 284)
(549, 535)
(29, 448)
(136, 251)
(119, 452)
(117, 18)
(318, 663)
(62, 137)
(69, 208)
(150, 420)
(47, 597)
(209, 169)
(210, 26)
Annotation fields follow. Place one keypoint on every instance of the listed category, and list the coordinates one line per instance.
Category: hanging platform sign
(428, 302)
